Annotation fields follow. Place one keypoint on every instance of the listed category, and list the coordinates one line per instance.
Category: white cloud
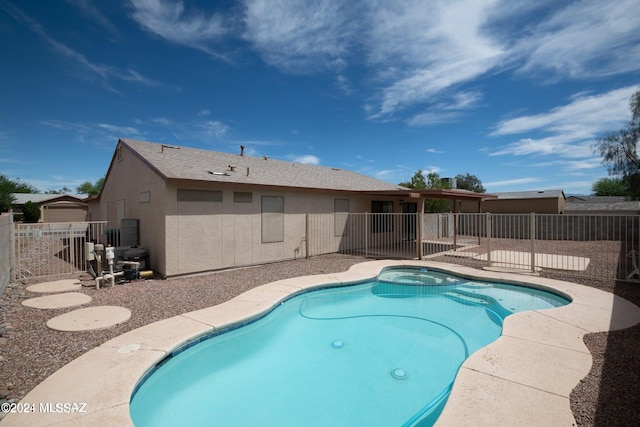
(121, 131)
(591, 112)
(432, 169)
(162, 121)
(433, 151)
(299, 36)
(445, 112)
(571, 129)
(197, 130)
(103, 135)
(416, 54)
(170, 21)
(105, 72)
(385, 173)
(434, 117)
(90, 10)
(213, 128)
(306, 159)
(585, 39)
(424, 48)
(584, 164)
(562, 145)
(511, 182)
(572, 165)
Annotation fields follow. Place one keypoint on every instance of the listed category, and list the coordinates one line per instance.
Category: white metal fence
(588, 246)
(6, 244)
(52, 249)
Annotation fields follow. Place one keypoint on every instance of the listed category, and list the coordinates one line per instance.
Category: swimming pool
(383, 352)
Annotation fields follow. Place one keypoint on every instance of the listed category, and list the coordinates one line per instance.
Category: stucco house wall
(541, 202)
(209, 235)
(192, 225)
(133, 190)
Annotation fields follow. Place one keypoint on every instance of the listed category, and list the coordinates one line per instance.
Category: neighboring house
(521, 202)
(53, 207)
(200, 210)
(601, 205)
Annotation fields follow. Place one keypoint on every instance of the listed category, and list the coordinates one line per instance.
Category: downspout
(306, 235)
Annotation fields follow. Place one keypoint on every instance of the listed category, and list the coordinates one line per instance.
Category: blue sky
(514, 92)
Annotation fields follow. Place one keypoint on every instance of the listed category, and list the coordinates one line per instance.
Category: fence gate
(52, 249)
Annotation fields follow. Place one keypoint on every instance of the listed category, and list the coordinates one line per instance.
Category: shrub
(31, 212)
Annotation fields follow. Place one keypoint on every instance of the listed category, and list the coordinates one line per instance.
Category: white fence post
(366, 234)
(489, 231)
(532, 235)
(420, 232)
(72, 249)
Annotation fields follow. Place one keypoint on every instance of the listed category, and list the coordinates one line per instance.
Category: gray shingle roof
(596, 199)
(630, 206)
(174, 162)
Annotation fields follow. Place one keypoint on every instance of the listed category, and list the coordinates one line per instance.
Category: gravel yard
(30, 352)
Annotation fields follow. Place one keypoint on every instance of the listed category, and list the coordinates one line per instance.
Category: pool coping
(523, 378)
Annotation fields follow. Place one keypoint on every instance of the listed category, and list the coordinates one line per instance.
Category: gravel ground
(30, 352)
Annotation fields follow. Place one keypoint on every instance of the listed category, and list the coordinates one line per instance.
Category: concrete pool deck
(523, 378)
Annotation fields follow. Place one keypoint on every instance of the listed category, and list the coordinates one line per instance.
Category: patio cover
(455, 195)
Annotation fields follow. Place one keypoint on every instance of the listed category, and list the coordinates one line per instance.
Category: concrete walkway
(523, 378)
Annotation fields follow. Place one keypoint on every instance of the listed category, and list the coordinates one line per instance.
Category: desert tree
(614, 186)
(619, 150)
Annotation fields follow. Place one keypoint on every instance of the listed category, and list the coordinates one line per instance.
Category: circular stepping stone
(90, 318)
(66, 285)
(67, 299)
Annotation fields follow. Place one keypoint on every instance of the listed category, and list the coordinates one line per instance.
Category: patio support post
(532, 232)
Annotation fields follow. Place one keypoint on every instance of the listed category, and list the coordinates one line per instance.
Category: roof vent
(232, 168)
(265, 157)
(242, 150)
(163, 146)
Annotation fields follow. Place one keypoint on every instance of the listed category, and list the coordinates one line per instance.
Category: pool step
(465, 298)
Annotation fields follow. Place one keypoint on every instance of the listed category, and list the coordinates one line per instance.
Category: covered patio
(412, 202)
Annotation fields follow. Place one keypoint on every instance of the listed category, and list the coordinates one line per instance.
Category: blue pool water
(380, 353)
